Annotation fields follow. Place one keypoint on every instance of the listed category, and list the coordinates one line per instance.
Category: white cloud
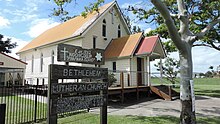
(4, 22)
(39, 26)
(20, 43)
(138, 4)
(203, 58)
(27, 12)
(147, 30)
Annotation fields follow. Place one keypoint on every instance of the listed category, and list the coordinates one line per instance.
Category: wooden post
(137, 88)
(148, 71)
(122, 86)
(103, 109)
(161, 71)
(170, 92)
(128, 78)
(2, 113)
(35, 104)
(51, 106)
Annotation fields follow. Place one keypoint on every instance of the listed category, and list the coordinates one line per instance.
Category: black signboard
(78, 72)
(61, 88)
(70, 53)
(69, 104)
(93, 94)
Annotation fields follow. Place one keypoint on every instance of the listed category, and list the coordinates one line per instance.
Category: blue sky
(23, 20)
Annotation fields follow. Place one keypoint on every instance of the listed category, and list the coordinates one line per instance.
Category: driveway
(205, 106)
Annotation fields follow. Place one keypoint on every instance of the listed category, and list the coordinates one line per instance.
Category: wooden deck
(117, 90)
(131, 89)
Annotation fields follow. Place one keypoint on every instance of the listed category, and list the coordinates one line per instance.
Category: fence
(24, 104)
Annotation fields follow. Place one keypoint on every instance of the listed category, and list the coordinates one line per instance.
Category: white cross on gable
(64, 51)
(113, 14)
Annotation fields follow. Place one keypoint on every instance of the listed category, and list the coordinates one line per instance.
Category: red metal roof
(147, 45)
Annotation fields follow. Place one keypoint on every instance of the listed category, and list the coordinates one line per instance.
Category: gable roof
(148, 46)
(136, 45)
(69, 29)
(123, 46)
(12, 58)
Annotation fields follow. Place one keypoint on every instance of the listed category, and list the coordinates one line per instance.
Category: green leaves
(170, 68)
(92, 7)
(200, 14)
(6, 46)
(60, 11)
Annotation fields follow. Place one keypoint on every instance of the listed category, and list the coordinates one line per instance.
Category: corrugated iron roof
(71, 28)
(147, 45)
(123, 46)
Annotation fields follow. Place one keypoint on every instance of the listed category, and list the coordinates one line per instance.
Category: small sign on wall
(192, 95)
(1, 63)
(70, 53)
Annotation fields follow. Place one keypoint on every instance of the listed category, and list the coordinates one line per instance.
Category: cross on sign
(64, 51)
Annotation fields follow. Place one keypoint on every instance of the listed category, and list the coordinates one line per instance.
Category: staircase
(164, 92)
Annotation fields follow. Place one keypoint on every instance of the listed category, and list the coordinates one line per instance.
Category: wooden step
(163, 92)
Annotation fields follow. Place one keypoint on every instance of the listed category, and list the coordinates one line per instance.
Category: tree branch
(211, 45)
(206, 45)
(174, 15)
(214, 46)
(207, 28)
(170, 24)
(183, 16)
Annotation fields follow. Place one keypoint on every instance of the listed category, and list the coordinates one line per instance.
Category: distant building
(130, 53)
(11, 70)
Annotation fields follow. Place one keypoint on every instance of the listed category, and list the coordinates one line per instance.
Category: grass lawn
(86, 118)
(202, 86)
(19, 109)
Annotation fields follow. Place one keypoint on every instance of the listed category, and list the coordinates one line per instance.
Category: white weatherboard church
(124, 52)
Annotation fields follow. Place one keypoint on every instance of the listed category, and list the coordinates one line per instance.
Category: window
(41, 62)
(94, 42)
(104, 28)
(43, 81)
(32, 63)
(119, 31)
(52, 57)
(114, 66)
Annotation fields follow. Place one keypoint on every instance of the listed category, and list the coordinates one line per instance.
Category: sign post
(70, 102)
(2, 113)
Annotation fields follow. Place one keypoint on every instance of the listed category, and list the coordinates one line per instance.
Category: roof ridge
(71, 30)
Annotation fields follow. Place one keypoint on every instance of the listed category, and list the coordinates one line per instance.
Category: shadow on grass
(155, 120)
(210, 120)
(212, 93)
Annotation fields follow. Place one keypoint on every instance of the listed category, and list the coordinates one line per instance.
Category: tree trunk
(187, 114)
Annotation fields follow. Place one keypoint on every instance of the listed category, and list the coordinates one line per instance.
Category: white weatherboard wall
(10, 69)
(111, 31)
(31, 77)
(134, 71)
(10, 62)
(122, 65)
